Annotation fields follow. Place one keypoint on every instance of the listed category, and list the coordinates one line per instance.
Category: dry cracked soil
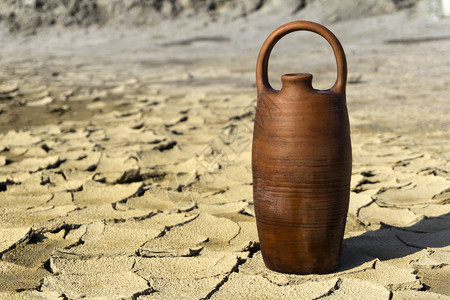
(125, 161)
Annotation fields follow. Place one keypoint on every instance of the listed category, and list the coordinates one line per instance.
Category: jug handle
(262, 80)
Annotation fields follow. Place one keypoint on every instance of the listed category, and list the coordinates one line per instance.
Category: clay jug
(301, 164)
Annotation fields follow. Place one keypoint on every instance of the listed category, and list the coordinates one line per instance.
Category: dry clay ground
(125, 162)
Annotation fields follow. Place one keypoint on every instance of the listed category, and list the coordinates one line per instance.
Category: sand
(125, 165)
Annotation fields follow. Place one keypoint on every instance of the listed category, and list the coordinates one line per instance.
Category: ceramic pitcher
(301, 163)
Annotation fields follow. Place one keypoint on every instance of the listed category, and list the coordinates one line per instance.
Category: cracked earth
(125, 162)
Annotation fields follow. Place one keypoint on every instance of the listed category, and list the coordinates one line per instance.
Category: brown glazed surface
(301, 163)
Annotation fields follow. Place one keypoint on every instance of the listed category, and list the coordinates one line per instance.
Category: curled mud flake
(431, 259)
(93, 286)
(8, 88)
(127, 236)
(37, 164)
(227, 209)
(360, 200)
(100, 193)
(209, 264)
(350, 288)
(422, 190)
(83, 160)
(412, 294)
(443, 197)
(374, 214)
(166, 146)
(18, 138)
(35, 251)
(391, 277)
(41, 102)
(12, 237)
(120, 169)
(256, 286)
(207, 231)
(64, 262)
(19, 278)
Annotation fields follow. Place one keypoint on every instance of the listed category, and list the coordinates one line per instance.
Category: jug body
(301, 166)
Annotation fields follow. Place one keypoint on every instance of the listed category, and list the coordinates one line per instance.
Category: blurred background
(31, 16)
(198, 42)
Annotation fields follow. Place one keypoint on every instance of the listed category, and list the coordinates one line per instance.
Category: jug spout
(299, 81)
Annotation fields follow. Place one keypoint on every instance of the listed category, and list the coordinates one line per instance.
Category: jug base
(301, 270)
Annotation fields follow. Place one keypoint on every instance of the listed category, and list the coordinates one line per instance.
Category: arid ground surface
(125, 160)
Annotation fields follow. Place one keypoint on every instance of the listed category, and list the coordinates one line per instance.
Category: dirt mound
(28, 16)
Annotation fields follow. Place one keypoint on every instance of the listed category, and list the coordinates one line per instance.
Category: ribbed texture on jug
(301, 163)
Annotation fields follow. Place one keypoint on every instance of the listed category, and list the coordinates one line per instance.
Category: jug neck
(297, 81)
